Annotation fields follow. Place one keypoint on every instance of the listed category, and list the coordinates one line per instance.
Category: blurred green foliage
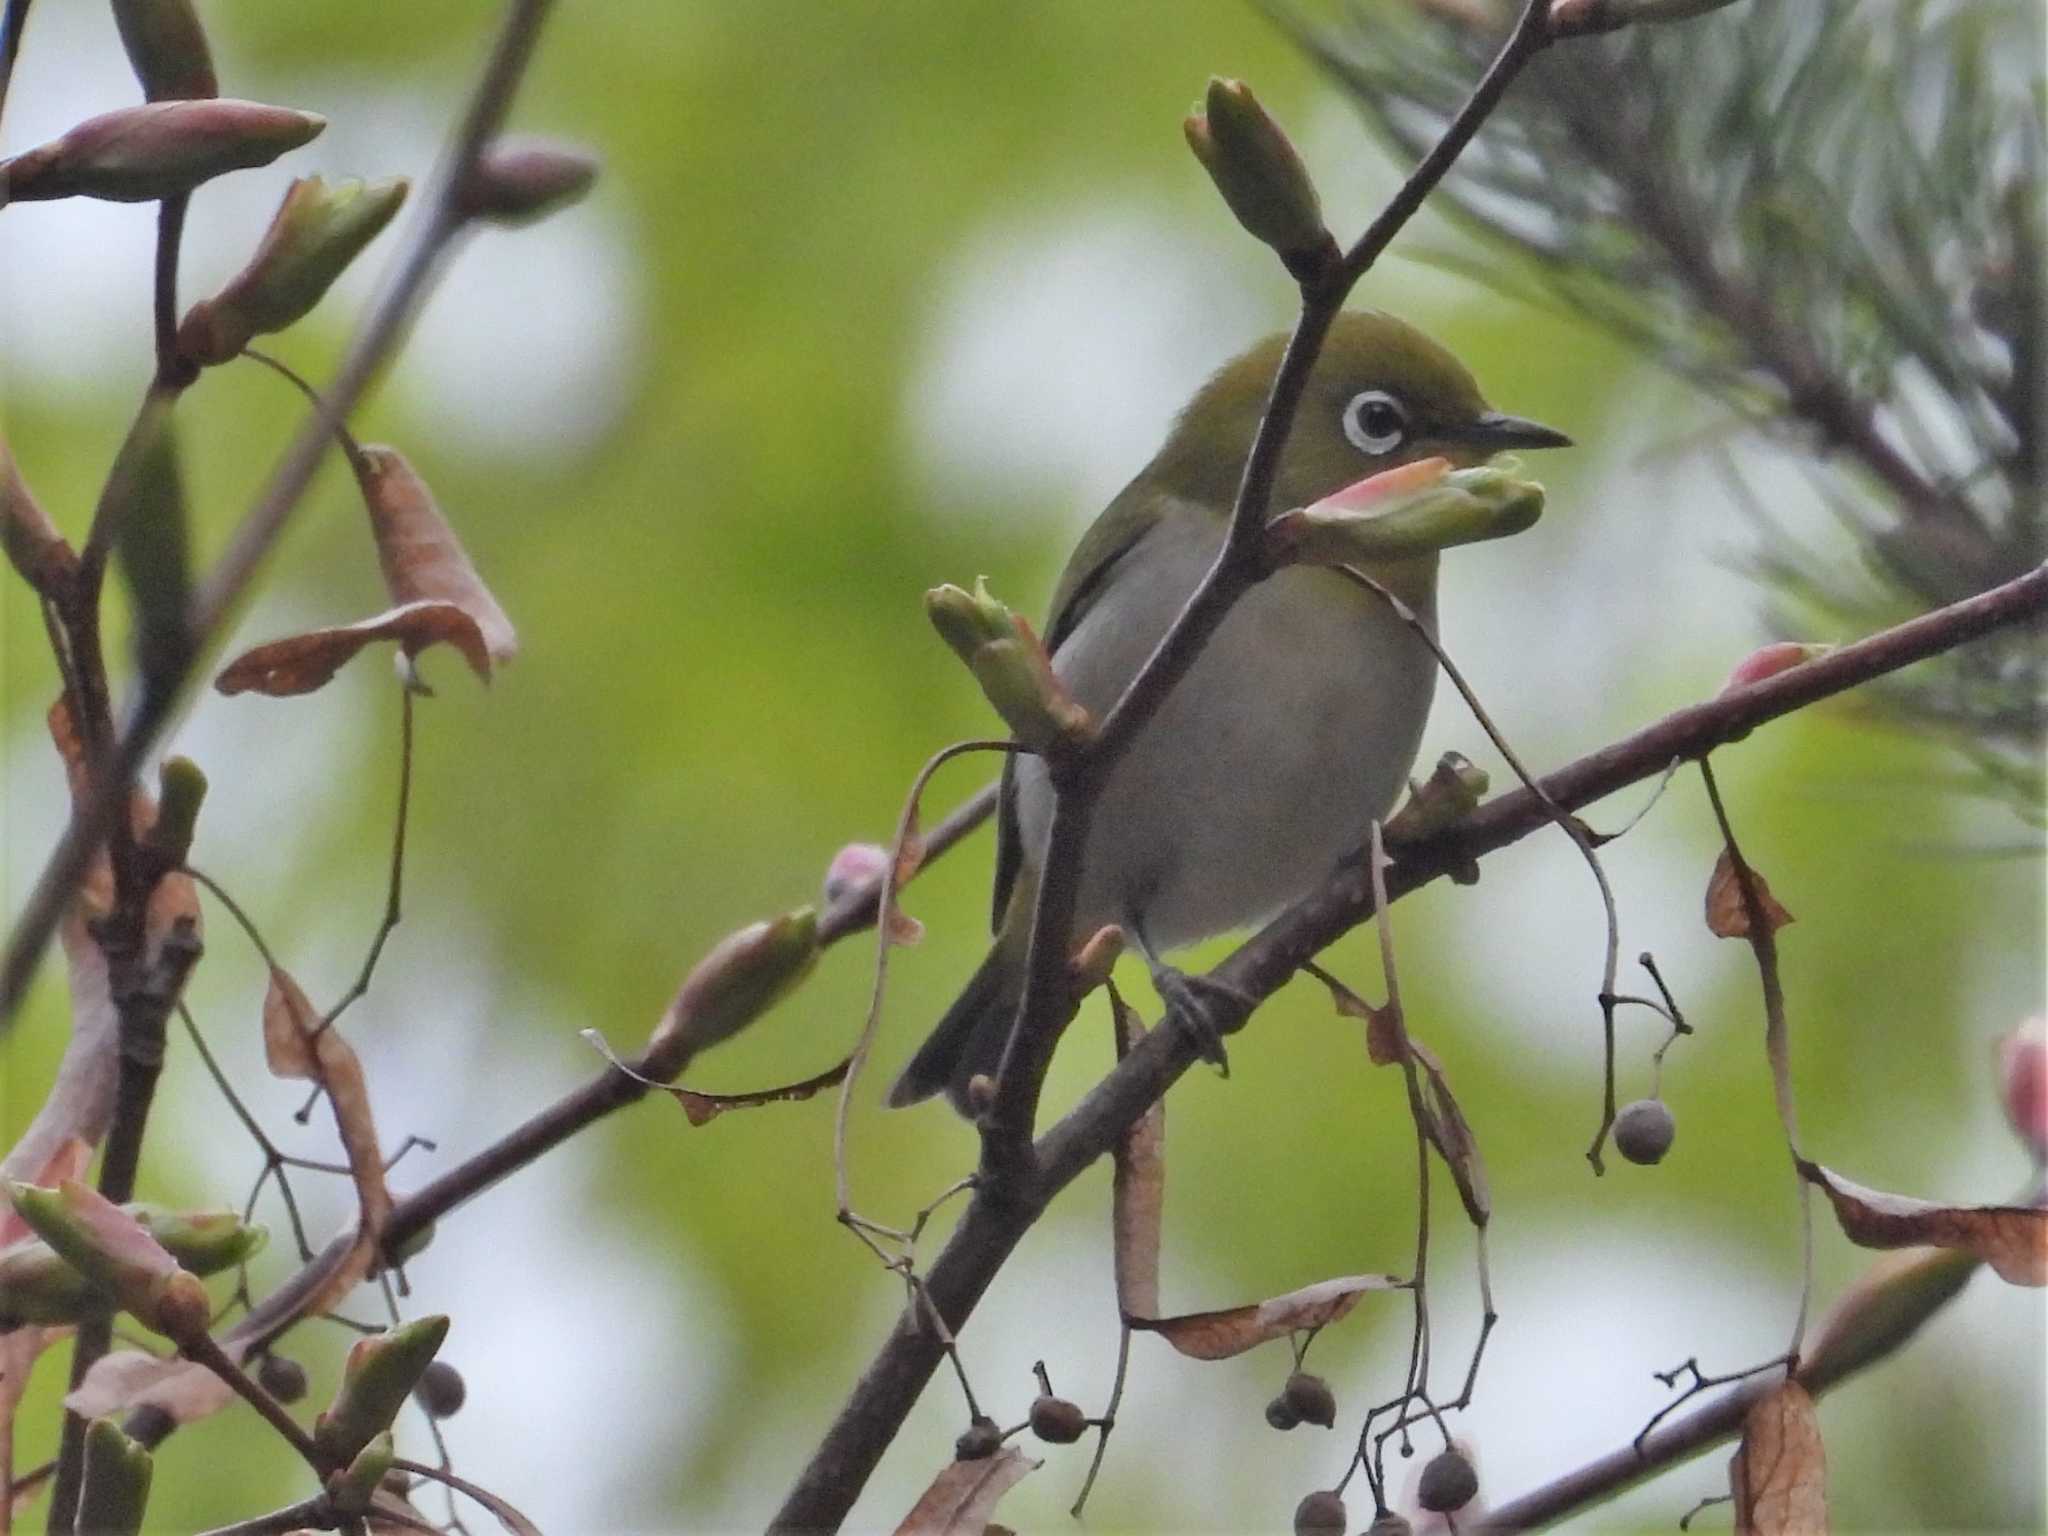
(727, 675)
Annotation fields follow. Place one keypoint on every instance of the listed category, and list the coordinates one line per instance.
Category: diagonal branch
(997, 1220)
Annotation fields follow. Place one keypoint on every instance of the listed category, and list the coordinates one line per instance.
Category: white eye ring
(1375, 422)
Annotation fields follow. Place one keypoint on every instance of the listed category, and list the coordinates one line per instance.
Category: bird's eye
(1375, 422)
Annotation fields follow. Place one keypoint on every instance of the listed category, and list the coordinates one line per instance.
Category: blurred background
(871, 298)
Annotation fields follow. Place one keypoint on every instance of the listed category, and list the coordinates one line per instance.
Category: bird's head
(1381, 394)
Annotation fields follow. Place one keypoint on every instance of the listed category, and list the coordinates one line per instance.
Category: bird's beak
(1496, 431)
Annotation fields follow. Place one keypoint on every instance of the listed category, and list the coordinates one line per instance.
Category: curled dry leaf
(703, 1107)
(303, 663)
(1137, 1188)
(963, 1496)
(1385, 1038)
(420, 554)
(1727, 913)
(1232, 1331)
(2012, 1239)
(130, 1379)
(1448, 1130)
(1779, 1474)
(297, 1047)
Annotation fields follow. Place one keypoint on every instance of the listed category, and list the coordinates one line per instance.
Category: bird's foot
(1206, 1008)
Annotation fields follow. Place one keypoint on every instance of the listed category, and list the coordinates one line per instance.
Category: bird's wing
(1107, 541)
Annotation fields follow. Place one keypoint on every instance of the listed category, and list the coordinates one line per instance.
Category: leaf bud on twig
(1008, 660)
(115, 1254)
(1417, 509)
(114, 1486)
(380, 1372)
(746, 973)
(519, 180)
(160, 149)
(1261, 175)
(316, 232)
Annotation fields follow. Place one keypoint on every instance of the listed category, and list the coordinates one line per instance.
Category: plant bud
(1011, 665)
(1452, 791)
(441, 1390)
(1094, 960)
(181, 789)
(114, 1486)
(375, 1379)
(1057, 1420)
(745, 974)
(1320, 1514)
(352, 1489)
(519, 180)
(37, 1288)
(1260, 174)
(112, 1251)
(167, 49)
(981, 1093)
(1311, 1399)
(2023, 1083)
(1769, 660)
(160, 149)
(978, 1441)
(1448, 1483)
(1416, 509)
(282, 1377)
(1281, 1415)
(315, 233)
(1644, 1131)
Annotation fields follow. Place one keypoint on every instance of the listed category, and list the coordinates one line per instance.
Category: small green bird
(1295, 727)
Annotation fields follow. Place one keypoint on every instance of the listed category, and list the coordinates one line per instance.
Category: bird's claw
(1206, 1008)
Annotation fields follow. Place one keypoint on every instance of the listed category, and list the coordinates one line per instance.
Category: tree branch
(827, 1486)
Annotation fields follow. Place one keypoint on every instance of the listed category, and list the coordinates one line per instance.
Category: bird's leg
(1206, 1008)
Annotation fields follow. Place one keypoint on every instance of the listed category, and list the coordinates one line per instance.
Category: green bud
(114, 1485)
(379, 1373)
(181, 789)
(167, 49)
(112, 1251)
(316, 232)
(1452, 791)
(1885, 1305)
(1417, 509)
(745, 974)
(161, 149)
(351, 1490)
(144, 506)
(516, 181)
(39, 1288)
(1009, 663)
(205, 1242)
(1260, 174)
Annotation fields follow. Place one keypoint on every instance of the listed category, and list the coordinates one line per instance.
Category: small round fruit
(1057, 1421)
(1320, 1514)
(978, 1441)
(441, 1390)
(1390, 1524)
(1281, 1415)
(1448, 1483)
(1643, 1131)
(1311, 1399)
(282, 1377)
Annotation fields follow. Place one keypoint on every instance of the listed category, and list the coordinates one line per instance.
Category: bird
(1296, 726)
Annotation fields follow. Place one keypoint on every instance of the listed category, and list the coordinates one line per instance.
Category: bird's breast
(1265, 765)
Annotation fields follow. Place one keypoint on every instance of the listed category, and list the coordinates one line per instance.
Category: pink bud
(1362, 495)
(1769, 660)
(855, 865)
(2023, 1083)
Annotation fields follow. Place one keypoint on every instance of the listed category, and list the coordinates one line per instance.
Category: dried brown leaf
(1448, 1130)
(963, 1496)
(129, 1379)
(420, 554)
(1384, 1034)
(296, 1046)
(1727, 915)
(702, 1107)
(1232, 1331)
(1137, 1188)
(2012, 1239)
(303, 663)
(1779, 1474)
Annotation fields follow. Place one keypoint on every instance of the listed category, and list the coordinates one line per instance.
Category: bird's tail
(970, 1038)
